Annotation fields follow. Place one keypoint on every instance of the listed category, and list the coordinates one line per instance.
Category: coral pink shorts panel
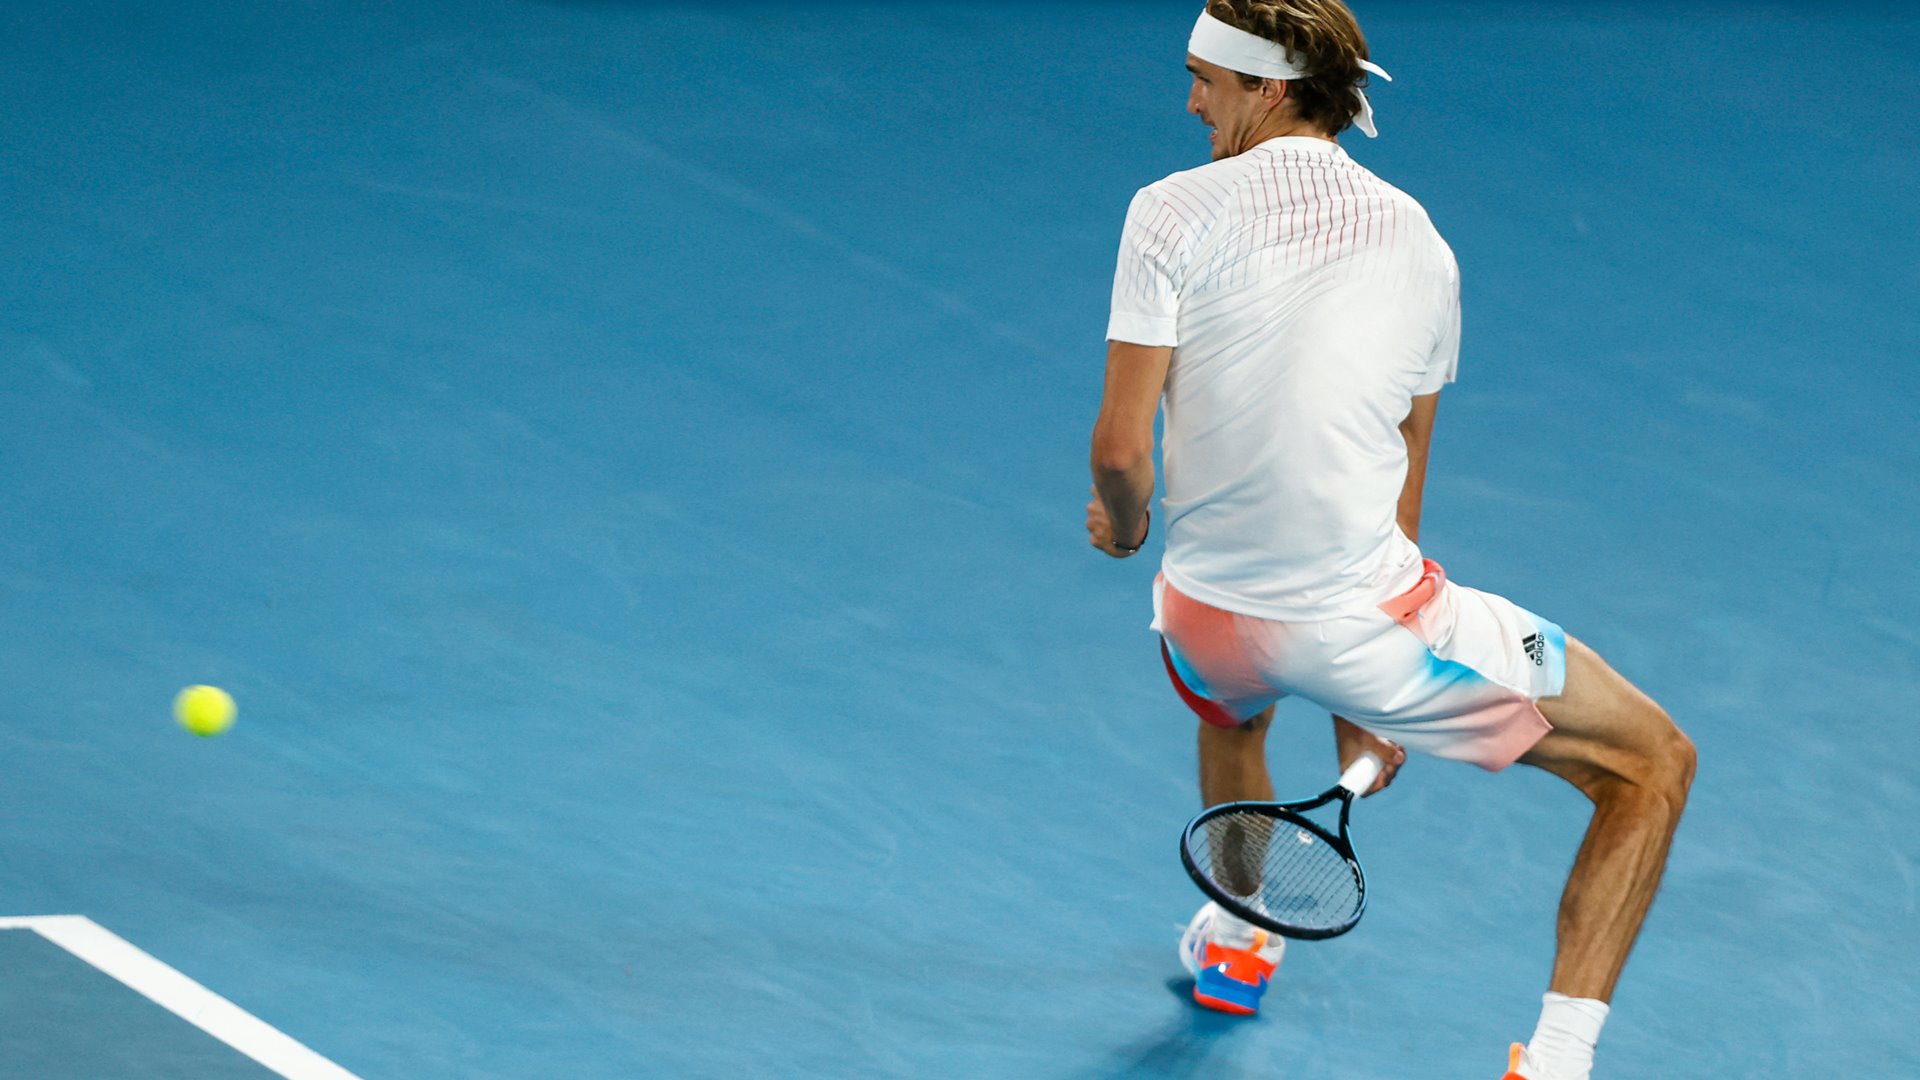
(1443, 670)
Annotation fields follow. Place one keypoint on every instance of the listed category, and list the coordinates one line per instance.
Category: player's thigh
(1606, 730)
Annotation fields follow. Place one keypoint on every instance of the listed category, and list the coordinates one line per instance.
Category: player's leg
(1480, 679)
(1233, 761)
(1230, 960)
(1622, 751)
(1211, 658)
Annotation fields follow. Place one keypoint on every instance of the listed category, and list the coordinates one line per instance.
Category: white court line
(180, 995)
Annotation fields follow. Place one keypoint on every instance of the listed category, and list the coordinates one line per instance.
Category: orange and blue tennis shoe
(1231, 961)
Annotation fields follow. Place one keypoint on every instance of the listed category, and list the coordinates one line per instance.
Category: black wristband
(1118, 546)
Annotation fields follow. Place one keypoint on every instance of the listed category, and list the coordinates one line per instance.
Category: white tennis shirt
(1308, 302)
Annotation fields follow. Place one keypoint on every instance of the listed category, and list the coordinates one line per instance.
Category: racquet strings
(1280, 869)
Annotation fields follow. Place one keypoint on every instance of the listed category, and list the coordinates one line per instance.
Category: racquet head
(1271, 865)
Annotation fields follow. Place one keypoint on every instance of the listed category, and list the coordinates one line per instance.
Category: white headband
(1236, 50)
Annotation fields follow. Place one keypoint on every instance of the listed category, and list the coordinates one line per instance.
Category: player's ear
(1273, 92)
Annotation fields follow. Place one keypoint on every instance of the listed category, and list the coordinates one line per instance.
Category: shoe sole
(1222, 1005)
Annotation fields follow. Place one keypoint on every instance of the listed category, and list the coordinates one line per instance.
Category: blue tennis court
(627, 460)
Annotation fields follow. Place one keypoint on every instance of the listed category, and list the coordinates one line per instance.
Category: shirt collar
(1311, 144)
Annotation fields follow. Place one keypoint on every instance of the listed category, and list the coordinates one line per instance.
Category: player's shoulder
(1386, 190)
(1396, 201)
(1195, 193)
(1224, 173)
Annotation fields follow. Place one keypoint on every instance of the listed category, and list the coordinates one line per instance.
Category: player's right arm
(1349, 739)
(1417, 430)
(1443, 364)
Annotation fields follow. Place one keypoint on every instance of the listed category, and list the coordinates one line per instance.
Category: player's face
(1224, 103)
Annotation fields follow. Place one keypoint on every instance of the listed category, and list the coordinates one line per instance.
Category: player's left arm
(1349, 739)
(1122, 457)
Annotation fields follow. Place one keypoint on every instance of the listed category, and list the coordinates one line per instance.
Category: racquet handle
(1362, 773)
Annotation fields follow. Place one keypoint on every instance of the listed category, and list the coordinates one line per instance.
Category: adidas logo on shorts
(1536, 649)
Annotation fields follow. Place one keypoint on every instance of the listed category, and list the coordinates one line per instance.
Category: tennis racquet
(1271, 865)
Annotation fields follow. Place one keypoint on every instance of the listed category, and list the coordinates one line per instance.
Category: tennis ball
(204, 710)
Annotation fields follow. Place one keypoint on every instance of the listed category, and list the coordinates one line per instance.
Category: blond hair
(1320, 35)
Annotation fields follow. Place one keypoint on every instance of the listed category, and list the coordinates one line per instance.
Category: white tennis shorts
(1441, 669)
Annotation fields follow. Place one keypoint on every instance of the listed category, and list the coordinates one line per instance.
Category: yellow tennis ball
(204, 710)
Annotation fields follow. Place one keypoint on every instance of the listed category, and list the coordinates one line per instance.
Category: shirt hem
(1143, 330)
(1352, 603)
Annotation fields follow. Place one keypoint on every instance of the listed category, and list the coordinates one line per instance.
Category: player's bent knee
(1682, 758)
(1664, 763)
(1640, 754)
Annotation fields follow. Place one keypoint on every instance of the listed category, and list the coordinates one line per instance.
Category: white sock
(1230, 930)
(1562, 1044)
(1227, 929)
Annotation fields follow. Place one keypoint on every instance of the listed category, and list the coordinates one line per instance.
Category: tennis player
(1299, 317)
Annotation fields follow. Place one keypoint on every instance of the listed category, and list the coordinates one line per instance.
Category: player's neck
(1288, 128)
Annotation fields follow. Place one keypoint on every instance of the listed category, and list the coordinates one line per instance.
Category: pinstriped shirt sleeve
(1443, 366)
(1154, 249)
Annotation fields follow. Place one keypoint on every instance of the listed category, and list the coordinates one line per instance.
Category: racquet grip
(1362, 773)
